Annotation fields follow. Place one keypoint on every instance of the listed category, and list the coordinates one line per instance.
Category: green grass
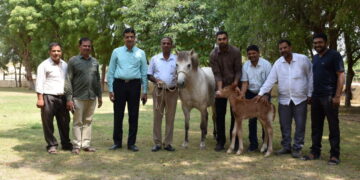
(23, 154)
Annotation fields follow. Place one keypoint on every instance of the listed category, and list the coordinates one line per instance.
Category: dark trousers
(220, 105)
(126, 92)
(253, 125)
(321, 107)
(286, 114)
(55, 106)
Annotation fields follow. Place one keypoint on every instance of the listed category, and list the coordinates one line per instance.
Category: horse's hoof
(229, 151)
(263, 149)
(185, 145)
(202, 146)
(267, 154)
(238, 153)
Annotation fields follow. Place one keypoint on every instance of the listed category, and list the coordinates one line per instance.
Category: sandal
(310, 157)
(89, 149)
(75, 151)
(333, 161)
(52, 150)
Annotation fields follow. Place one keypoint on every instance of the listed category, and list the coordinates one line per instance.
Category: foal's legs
(186, 111)
(270, 136)
(203, 127)
(240, 138)
(234, 132)
(266, 138)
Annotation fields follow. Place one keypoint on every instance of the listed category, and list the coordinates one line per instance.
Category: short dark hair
(284, 41)
(129, 30)
(221, 32)
(252, 47)
(84, 39)
(167, 37)
(320, 35)
(52, 44)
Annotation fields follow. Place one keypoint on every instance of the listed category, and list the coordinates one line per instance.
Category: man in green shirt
(82, 88)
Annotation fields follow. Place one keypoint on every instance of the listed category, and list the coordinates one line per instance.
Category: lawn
(23, 154)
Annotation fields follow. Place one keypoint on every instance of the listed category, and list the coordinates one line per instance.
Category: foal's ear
(177, 52)
(192, 52)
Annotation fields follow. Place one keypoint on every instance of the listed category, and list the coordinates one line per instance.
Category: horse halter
(181, 72)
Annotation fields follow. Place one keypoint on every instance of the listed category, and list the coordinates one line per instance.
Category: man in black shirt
(328, 70)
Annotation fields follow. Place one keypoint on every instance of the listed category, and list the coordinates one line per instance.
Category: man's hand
(336, 101)
(70, 106)
(100, 102)
(264, 99)
(111, 96)
(159, 83)
(40, 103)
(257, 98)
(218, 93)
(242, 95)
(144, 98)
(237, 90)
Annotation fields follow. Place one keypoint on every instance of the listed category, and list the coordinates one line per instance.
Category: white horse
(196, 89)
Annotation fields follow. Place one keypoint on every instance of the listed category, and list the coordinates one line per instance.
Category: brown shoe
(90, 149)
(75, 151)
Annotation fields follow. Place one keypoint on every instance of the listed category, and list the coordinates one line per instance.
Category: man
(254, 73)
(162, 72)
(127, 72)
(328, 68)
(225, 61)
(50, 98)
(82, 88)
(293, 74)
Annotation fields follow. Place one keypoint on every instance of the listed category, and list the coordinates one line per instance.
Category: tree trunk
(16, 82)
(350, 72)
(20, 83)
(28, 69)
(103, 72)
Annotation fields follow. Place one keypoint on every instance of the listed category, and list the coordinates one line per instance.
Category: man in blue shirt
(254, 73)
(127, 72)
(328, 70)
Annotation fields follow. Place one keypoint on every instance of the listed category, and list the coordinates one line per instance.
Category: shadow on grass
(190, 163)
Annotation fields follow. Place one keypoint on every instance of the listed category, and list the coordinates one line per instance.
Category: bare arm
(339, 88)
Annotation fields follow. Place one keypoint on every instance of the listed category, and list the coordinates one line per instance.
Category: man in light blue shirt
(254, 73)
(162, 72)
(127, 72)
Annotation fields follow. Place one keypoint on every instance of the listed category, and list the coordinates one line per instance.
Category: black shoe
(67, 147)
(115, 147)
(296, 153)
(252, 149)
(283, 151)
(169, 148)
(156, 148)
(133, 148)
(310, 157)
(334, 161)
(219, 148)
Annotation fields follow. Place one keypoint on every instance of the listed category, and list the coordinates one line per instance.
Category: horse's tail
(213, 109)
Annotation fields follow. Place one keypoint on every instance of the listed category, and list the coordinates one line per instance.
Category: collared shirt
(255, 75)
(50, 77)
(127, 65)
(163, 69)
(295, 80)
(82, 79)
(226, 65)
(325, 69)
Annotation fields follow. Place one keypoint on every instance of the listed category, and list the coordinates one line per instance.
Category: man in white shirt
(162, 72)
(51, 100)
(254, 73)
(293, 73)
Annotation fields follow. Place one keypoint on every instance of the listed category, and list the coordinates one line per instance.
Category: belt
(167, 89)
(58, 96)
(127, 80)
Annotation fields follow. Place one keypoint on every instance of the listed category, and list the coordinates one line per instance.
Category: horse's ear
(194, 60)
(233, 86)
(177, 52)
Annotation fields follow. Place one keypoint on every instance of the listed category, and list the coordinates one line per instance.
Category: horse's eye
(188, 65)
